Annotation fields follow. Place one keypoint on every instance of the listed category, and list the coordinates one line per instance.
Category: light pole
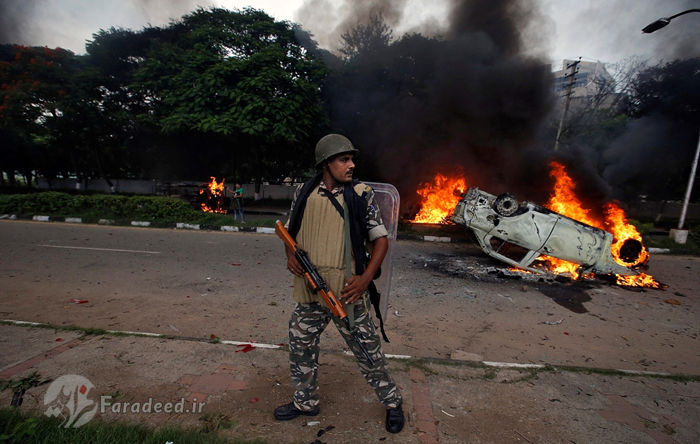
(660, 23)
(679, 235)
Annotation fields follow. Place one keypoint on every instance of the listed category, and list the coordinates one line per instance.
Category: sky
(605, 30)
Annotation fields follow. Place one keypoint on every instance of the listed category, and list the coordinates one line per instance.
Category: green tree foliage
(366, 39)
(671, 89)
(653, 155)
(62, 114)
(114, 57)
(243, 83)
(215, 93)
(33, 84)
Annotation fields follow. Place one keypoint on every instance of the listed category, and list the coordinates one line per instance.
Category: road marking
(347, 352)
(254, 344)
(511, 365)
(99, 249)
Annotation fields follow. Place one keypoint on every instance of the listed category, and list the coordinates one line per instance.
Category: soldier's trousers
(305, 327)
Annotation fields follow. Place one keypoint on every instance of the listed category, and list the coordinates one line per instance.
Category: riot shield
(387, 197)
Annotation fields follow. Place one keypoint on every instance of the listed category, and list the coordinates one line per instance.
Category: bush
(160, 211)
(53, 203)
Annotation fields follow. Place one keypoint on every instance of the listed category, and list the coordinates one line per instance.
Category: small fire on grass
(213, 196)
(440, 197)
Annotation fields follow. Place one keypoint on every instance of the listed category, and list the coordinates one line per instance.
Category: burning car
(499, 221)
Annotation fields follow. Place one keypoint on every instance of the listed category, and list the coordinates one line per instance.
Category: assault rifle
(317, 283)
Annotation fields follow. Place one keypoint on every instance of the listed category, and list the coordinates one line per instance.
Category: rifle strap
(343, 210)
(348, 257)
(374, 297)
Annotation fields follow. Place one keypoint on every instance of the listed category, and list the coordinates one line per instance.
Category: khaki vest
(322, 236)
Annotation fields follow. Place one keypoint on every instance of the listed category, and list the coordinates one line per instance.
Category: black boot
(394, 419)
(289, 411)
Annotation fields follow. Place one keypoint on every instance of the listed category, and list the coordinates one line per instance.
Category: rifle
(316, 282)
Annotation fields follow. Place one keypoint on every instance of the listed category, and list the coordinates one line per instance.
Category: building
(592, 86)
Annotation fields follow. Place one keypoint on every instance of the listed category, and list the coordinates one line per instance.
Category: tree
(594, 121)
(653, 154)
(67, 115)
(242, 82)
(365, 39)
(114, 57)
(34, 83)
(671, 89)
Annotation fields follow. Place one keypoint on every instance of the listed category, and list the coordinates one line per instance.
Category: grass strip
(17, 426)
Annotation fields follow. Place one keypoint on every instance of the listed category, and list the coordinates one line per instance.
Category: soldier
(335, 219)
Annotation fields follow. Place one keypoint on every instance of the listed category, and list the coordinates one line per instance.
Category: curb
(227, 228)
(142, 223)
(262, 230)
(261, 345)
(427, 238)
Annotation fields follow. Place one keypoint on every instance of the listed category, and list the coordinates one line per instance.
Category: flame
(214, 194)
(564, 201)
(616, 223)
(439, 198)
(640, 280)
(558, 266)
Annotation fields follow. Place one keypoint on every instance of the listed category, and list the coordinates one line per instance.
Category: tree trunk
(11, 179)
(258, 186)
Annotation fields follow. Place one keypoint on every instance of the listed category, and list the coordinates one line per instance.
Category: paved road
(448, 301)
(444, 302)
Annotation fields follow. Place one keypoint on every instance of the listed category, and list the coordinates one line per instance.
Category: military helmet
(332, 144)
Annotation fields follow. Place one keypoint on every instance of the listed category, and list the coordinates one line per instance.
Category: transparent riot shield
(387, 197)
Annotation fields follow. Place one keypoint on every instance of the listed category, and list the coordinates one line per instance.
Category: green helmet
(332, 144)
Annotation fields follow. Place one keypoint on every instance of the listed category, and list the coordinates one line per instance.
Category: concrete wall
(119, 185)
(184, 188)
(664, 209)
(270, 191)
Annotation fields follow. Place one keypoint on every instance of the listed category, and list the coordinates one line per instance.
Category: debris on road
(79, 301)
(245, 348)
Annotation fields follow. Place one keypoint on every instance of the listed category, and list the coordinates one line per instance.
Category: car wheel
(505, 205)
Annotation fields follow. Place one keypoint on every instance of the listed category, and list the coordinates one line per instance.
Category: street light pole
(660, 23)
(679, 235)
(689, 189)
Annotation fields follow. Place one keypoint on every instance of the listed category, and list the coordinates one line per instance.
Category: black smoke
(14, 20)
(467, 102)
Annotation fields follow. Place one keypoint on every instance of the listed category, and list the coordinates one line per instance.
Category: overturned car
(498, 221)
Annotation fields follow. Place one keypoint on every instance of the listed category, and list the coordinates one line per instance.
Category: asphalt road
(447, 300)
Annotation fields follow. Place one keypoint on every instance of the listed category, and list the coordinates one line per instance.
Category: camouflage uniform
(309, 320)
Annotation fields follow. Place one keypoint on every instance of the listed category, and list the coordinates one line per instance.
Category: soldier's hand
(294, 266)
(354, 288)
